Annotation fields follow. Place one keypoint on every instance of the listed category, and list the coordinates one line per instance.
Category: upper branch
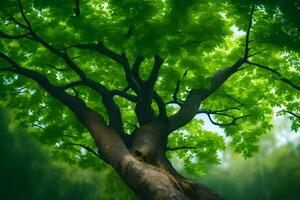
(161, 106)
(119, 58)
(24, 16)
(223, 113)
(189, 108)
(247, 40)
(144, 110)
(136, 67)
(158, 61)
(75, 104)
(285, 80)
(87, 148)
(291, 113)
(110, 105)
(176, 91)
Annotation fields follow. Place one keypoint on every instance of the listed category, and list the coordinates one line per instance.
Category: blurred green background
(27, 171)
(272, 174)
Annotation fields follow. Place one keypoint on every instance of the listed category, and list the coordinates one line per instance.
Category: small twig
(180, 148)
(176, 91)
(234, 99)
(247, 41)
(257, 53)
(221, 112)
(56, 68)
(285, 80)
(24, 16)
(86, 148)
(291, 113)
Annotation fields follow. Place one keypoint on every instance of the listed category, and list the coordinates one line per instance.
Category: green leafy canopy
(200, 37)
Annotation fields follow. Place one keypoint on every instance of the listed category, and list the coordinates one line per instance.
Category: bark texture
(145, 168)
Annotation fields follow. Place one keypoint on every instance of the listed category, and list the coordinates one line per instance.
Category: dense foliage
(27, 172)
(195, 38)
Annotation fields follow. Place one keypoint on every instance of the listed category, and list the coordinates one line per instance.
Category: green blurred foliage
(273, 174)
(26, 172)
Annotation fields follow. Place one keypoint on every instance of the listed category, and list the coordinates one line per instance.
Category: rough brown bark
(146, 170)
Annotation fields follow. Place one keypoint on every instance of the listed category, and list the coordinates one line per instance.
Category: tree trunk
(144, 168)
(152, 182)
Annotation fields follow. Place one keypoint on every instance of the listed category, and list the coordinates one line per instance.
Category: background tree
(137, 73)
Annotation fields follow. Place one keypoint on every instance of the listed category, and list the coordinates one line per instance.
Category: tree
(137, 73)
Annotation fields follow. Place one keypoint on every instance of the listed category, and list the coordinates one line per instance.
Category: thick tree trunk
(152, 182)
(144, 168)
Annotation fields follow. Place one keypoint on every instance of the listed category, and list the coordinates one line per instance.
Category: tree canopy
(136, 60)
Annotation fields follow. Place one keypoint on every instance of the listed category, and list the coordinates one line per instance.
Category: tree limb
(161, 106)
(158, 61)
(119, 58)
(143, 109)
(112, 108)
(247, 41)
(125, 95)
(136, 67)
(191, 105)
(285, 80)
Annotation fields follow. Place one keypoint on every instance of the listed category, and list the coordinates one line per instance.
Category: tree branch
(291, 113)
(247, 41)
(75, 104)
(24, 16)
(6, 36)
(143, 109)
(102, 49)
(234, 99)
(158, 61)
(87, 148)
(125, 95)
(77, 8)
(297, 87)
(72, 84)
(136, 67)
(112, 108)
(161, 106)
(56, 68)
(219, 112)
(180, 148)
(191, 105)
(119, 58)
(175, 94)
(294, 114)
